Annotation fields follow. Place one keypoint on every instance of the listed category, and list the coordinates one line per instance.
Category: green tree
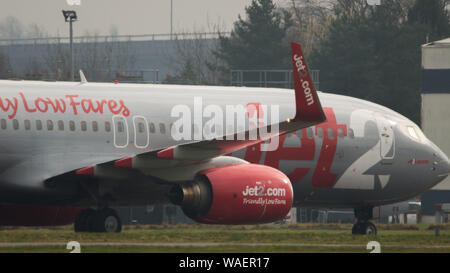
(374, 52)
(187, 75)
(257, 42)
(432, 14)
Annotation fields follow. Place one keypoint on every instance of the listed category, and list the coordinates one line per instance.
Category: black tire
(370, 229)
(82, 221)
(106, 220)
(366, 228)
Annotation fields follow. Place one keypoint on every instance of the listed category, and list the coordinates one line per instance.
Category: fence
(268, 78)
(115, 38)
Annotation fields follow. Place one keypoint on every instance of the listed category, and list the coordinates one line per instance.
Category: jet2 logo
(259, 190)
(260, 195)
(300, 65)
(301, 70)
(322, 177)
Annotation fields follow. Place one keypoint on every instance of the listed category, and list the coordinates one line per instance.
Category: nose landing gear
(102, 220)
(363, 226)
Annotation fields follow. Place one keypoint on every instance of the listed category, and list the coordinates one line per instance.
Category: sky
(128, 16)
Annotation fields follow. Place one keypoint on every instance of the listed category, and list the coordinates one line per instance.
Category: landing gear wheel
(366, 228)
(363, 226)
(82, 221)
(370, 229)
(106, 220)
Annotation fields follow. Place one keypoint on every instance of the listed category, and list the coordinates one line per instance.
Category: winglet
(82, 77)
(308, 107)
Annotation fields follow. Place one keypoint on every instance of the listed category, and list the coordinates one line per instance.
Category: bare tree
(100, 58)
(313, 17)
(311, 21)
(195, 61)
(35, 31)
(11, 28)
(5, 67)
(91, 58)
(56, 58)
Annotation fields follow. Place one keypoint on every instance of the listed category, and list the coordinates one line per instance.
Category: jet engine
(235, 194)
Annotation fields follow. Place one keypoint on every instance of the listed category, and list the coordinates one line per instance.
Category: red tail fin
(307, 102)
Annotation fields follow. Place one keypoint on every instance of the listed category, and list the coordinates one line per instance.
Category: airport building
(435, 112)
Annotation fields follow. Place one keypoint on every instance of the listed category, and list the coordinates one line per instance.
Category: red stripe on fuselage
(322, 176)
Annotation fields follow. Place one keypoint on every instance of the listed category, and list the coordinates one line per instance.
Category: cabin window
(162, 128)
(15, 124)
(72, 125)
(351, 134)
(120, 129)
(60, 125)
(107, 126)
(141, 127)
(120, 126)
(49, 125)
(152, 128)
(27, 124)
(95, 126)
(141, 137)
(340, 132)
(83, 126)
(320, 132)
(3, 124)
(330, 133)
(309, 132)
(38, 125)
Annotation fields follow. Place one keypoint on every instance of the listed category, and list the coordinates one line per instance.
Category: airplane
(73, 150)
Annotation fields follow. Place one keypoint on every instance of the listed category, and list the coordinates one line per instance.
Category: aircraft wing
(309, 112)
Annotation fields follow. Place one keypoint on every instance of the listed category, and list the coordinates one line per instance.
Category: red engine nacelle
(26, 215)
(236, 194)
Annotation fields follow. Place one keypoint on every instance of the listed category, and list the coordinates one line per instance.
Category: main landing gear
(101, 220)
(363, 226)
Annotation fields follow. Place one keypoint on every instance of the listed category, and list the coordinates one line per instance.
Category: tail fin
(308, 107)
